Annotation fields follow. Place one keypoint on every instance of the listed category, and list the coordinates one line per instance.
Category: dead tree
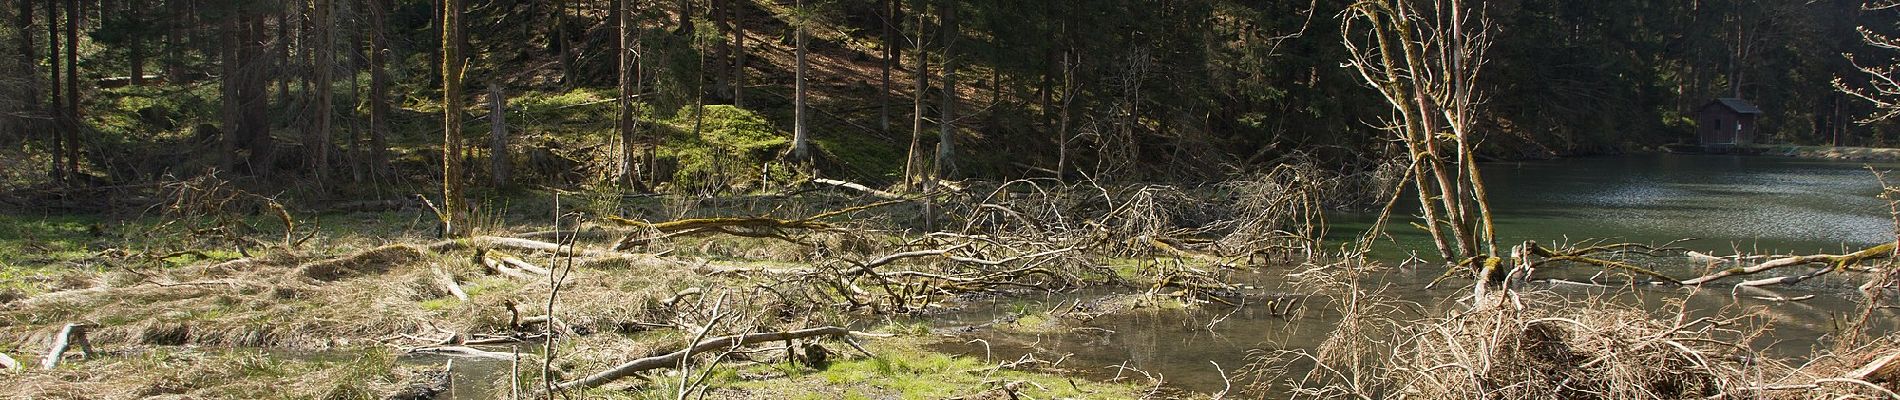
(1424, 58)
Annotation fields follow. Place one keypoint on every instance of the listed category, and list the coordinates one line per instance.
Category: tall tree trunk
(56, 108)
(27, 56)
(323, 70)
(1062, 126)
(253, 94)
(921, 73)
(801, 139)
(685, 25)
(227, 89)
(738, 52)
(947, 127)
(135, 48)
(73, 121)
(560, 40)
(497, 135)
(356, 40)
(378, 86)
(452, 65)
(721, 13)
(889, 19)
(175, 22)
(282, 56)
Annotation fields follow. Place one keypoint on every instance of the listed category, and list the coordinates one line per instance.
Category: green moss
(731, 145)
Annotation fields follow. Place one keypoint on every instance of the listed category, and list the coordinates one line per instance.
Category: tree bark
(721, 15)
(452, 64)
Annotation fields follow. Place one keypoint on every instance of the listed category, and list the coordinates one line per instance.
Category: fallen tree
(1834, 263)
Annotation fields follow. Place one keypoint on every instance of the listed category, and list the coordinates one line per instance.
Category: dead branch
(674, 358)
(68, 336)
(8, 363)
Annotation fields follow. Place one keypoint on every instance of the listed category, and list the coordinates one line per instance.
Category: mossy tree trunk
(452, 65)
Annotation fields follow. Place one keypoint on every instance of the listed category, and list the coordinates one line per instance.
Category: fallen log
(857, 187)
(673, 359)
(1834, 263)
(759, 227)
(518, 244)
(462, 351)
(68, 336)
(448, 282)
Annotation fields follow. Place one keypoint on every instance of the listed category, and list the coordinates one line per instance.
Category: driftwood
(68, 336)
(673, 359)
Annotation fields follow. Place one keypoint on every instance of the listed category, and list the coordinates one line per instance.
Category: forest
(974, 199)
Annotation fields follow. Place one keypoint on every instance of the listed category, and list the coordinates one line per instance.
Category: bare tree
(1882, 74)
(1424, 57)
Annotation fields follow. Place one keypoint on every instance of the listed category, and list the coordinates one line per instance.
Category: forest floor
(359, 304)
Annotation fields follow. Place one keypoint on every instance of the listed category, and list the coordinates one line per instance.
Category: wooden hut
(1726, 122)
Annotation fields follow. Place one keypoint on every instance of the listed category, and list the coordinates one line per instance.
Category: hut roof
(1734, 104)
